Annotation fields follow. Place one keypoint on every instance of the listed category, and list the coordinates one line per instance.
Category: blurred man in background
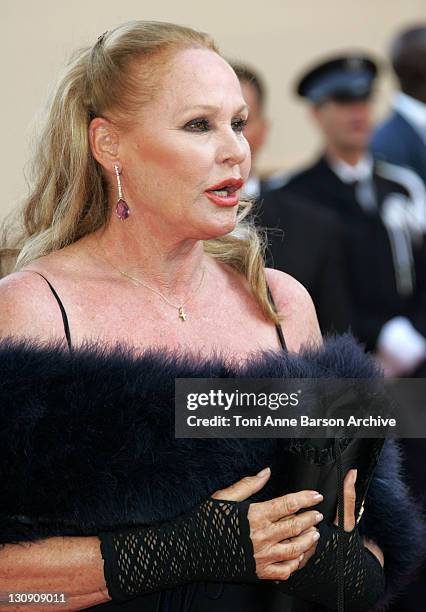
(382, 208)
(401, 139)
(302, 240)
(256, 131)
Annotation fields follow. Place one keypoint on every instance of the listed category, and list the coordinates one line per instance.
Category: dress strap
(277, 325)
(61, 306)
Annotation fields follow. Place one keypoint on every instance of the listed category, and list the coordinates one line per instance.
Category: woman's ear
(104, 141)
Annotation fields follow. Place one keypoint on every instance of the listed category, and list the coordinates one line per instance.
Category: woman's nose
(233, 148)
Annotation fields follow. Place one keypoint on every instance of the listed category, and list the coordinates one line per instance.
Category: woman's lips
(229, 188)
(229, 200)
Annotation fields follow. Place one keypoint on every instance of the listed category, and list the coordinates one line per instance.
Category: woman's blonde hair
(69, 197)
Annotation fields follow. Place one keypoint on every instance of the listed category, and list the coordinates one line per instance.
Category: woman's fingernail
(264, 473)
(353, 476)
(315, 536)
(319, 517)
(302, 557)
(317, 496)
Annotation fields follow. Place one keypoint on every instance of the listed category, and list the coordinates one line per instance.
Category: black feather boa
(87, 443)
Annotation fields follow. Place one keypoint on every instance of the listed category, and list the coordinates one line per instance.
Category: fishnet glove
(364, 578)
(211, 543)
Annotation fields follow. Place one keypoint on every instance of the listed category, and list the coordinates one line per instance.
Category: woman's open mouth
(226, 192)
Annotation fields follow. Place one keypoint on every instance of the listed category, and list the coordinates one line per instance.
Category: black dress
(230, 597)
(198, 597)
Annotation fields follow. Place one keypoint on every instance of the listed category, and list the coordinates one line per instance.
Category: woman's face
(185, 142)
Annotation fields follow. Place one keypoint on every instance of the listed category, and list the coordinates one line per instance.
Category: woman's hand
(280, 537)
(349, 522)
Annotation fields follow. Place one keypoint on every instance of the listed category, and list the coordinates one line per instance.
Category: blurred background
(278, 37)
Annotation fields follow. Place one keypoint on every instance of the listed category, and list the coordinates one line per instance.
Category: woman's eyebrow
(211, 108)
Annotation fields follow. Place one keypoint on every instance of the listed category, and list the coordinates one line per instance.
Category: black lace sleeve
(317, 582)
(211, 543)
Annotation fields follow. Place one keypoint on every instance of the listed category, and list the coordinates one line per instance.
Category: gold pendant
(182, 314)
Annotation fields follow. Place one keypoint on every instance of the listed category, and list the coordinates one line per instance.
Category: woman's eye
(239, 124)
(203, 125)
(197, 125)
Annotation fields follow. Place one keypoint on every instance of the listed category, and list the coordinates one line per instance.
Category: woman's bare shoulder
(295, 305)
(27, 306)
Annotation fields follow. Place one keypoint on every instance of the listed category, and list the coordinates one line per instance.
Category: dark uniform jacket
(320, 267)
(379, 288)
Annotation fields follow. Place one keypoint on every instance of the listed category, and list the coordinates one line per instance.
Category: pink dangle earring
(121, 209)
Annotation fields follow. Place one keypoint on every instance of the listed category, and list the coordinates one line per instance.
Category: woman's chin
(221, 227)
(211, 226)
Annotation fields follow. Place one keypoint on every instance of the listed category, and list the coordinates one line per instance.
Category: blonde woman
(134, 265)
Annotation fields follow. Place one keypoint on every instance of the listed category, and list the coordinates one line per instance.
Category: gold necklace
(180, 307)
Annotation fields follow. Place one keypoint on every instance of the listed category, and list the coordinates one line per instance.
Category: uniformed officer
(320, 268)
(383, 210)
(256, 131)
(401, 138)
